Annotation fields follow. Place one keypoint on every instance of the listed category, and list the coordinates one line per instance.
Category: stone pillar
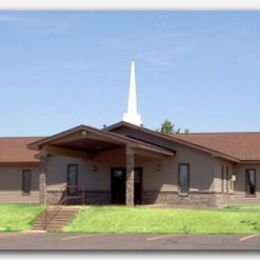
(42, 180)
(129, 177)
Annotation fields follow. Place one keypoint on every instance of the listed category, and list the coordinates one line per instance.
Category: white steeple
(132, 116)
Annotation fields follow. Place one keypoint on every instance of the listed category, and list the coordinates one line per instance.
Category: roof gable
(85, 132)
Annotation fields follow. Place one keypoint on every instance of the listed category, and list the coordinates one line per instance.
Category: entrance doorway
(118, 185)
(251, 182)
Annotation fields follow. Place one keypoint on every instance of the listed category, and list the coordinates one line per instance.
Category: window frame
(180, 192)
(70, 189)
(227, 179)
(246, 179)
(26, 193)
(222, 178)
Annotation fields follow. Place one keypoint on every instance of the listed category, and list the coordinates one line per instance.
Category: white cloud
(43, 27)
(7, 18)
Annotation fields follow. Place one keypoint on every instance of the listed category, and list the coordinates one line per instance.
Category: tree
(167, 127)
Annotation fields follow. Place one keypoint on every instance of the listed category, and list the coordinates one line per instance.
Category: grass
(112, 219)
(243, 208)
(18, 217)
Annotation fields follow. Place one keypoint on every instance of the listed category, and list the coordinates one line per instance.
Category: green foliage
(18, 217)
(167, 127)
(141, 219)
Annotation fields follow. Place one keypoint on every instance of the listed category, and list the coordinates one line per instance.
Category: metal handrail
(64, 191)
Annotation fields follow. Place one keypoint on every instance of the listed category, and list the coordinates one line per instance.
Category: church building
(126, 163)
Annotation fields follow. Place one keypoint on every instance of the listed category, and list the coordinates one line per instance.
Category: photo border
(129, 4)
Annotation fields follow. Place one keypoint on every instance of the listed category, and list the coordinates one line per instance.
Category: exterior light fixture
(84, 133)
(233, 177)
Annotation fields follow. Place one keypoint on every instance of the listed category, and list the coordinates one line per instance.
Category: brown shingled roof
(13, 150)
(243, 146)
(239, 147)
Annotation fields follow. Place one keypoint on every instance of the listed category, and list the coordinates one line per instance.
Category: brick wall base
(97, 197)
(193, 199)
(91, 197)
(224, 199)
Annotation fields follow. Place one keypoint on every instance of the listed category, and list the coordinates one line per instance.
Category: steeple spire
(132, 115)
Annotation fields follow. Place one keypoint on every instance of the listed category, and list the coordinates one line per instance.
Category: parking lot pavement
(83, 241)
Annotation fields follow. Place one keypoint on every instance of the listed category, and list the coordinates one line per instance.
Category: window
(26, 182)
(227, 178)
(251, 182)
(72, 178)
(222, 178)
(184, 178)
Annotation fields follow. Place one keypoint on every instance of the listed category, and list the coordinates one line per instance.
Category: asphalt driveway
(72, 241)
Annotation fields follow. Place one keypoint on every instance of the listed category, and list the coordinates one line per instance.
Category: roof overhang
(11, 164)
(92, 140)
(250, 161)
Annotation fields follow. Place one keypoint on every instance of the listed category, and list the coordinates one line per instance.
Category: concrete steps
(56, 218)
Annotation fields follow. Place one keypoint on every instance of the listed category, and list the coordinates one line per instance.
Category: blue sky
(200, 70)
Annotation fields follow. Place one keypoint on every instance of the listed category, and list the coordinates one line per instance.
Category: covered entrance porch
(102, 157)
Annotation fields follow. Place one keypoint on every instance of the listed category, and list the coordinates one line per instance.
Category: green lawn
(18, 217)
(243, 208)
(110, 219)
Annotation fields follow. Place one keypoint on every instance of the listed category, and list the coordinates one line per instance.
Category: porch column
(42, 180)
(129, 177)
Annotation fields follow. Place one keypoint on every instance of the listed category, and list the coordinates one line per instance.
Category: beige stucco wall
(11, 185)
(90, 179)
(201, 165)
(201, 171)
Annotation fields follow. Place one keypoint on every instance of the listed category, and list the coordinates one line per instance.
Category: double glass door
(118, 185)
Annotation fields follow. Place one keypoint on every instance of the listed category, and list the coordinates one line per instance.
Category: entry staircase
(55, 218)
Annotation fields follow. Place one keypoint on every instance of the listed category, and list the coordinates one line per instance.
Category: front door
(118, 185)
